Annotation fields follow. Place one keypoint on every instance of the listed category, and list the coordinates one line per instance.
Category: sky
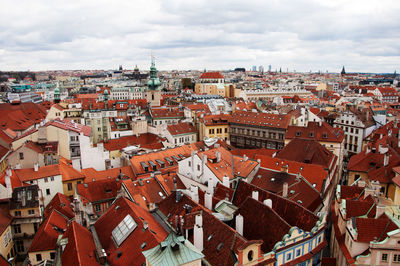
(300, 35)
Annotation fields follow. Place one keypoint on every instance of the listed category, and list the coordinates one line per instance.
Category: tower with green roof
(57, 95)
(153, 93)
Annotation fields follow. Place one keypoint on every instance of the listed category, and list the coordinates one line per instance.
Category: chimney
(195, 193)
(7, 180)
(23, 198)
(239, 224)
(208, 201)
(178, 196)
(368, 150)
(225, 181)
(18, 166)
(140, 181)
(268, 202)
(204, 162)
(36, 167)
(379, 211)
(320, 123)
(254, 195)
(245, 157)
(285, 190)
(386, 159)
(145, 225)
(210, 186)
(198, 232)
(8, 172)
(218, 154)
(77, 212)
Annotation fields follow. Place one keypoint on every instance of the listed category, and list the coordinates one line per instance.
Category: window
(21, 155)
(198, 167)
(396, 257)
(46, 180)
(52, 178)
(289, 256)
(47, 191)
(384, 257)
(31, 212)
(35, 227)
(17, 229)
(17, 213)
(250, 255)
(69, 186)
(226, 130)
(189, 163)
(19, 246)
(52, 255)
(298, 252)
(123, 229)
(38, 257)
(97, 208)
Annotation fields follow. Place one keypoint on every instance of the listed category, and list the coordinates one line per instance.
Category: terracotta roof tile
(48, 232)
(99, 190)
(80, 249)
(211, 75)
(260, 119)
(130, 250)
(181, 128)
(323, 133)
(62, 204)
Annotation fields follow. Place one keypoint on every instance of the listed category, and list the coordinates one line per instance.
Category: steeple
(154, 82)
(57, 95)
(343, 71)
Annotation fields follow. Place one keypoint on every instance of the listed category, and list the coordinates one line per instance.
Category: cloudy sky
(299, 35)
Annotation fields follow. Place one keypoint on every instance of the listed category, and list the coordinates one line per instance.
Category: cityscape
(205, 133)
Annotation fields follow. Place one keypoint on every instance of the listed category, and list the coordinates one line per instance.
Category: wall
(55, 187)
(30, 158)
(6, 243)
(74, 183)
(45, 256)
(92, 156)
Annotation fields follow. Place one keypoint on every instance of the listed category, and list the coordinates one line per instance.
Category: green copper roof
(154, 81)
(174, 250)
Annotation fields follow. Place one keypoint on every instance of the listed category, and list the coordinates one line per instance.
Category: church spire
(343, 71)
(154, 81)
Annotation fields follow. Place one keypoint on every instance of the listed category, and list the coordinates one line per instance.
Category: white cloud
(301, 35)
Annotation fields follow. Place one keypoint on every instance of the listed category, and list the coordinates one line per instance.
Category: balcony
(23, 236)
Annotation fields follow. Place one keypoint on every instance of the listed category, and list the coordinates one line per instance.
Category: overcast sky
(297, 35)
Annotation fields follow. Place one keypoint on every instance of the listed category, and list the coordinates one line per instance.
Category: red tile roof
(313, 173)
(68, 172)
(350, 192)
(132, 247)
(211, 75)
(5, 220)
(92, 174)
(99, 190)
(260, 119)
(323, 133)
(181, 128)
(292, 212)
(213, 120)
(264, 214)
(298, 187)
(21, 116)
(307, 151)
(48, 232)
(251, 153)
(369, 229)
(62, 204)
(197, 107)
(28, 174)
(72, 126)
(80, 249)
(215, 232)
(147, 141)
(166, 113)
(224, 167)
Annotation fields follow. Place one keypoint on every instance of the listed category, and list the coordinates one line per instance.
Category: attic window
(209, 237)
(324, 135)
(311, 134)
(143, 245)
(160, 194)
(161, 163)
(272, 179)
(145, 166)
(220, 246)
(123, 229)
(300, 202)
(314, 185)
(169, 161)
(297, 133)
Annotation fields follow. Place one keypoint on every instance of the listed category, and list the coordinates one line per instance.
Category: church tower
(57, 95)
(153, 93)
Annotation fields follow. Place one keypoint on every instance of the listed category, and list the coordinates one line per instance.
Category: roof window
(123, 229)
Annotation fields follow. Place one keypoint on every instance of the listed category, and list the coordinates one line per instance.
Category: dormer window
(298, 134)
(324, 135)
(311, 134)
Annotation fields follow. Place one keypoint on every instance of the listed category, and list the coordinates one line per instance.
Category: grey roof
(174, 250)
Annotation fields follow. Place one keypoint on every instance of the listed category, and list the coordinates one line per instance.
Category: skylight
(123, 229)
